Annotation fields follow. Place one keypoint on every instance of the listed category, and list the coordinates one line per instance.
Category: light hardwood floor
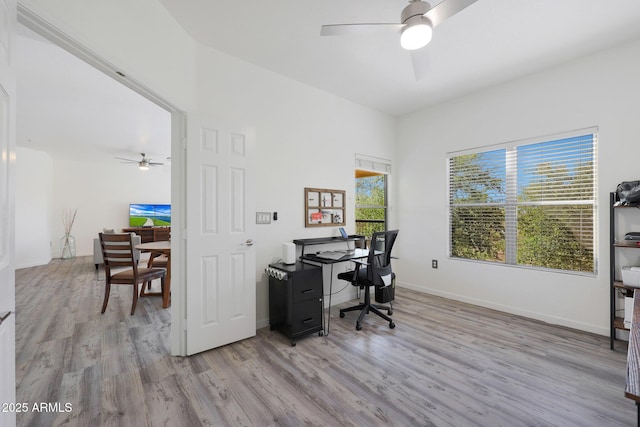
(445, 364)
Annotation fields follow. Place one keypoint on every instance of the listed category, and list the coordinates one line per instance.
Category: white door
(7, 228)
(220, 255)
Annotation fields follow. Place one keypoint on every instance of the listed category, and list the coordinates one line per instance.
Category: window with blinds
(531, 203)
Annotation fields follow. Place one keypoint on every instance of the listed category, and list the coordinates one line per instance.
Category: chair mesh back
(379, 271)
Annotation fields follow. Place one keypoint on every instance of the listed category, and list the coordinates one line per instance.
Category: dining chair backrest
(117, 250)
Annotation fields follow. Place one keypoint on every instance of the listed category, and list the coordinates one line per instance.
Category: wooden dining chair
(156, 260)
(118, 252)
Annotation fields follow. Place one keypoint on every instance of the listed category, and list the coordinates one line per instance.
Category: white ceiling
(66, 107)
(489, 42)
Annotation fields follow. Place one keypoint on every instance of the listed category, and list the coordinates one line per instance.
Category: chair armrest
(358, 264)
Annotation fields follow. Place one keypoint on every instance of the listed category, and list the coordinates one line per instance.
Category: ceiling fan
(418, 19)
(143, 163)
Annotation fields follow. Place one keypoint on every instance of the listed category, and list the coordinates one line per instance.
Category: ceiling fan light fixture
(417, 33)
(143, 165)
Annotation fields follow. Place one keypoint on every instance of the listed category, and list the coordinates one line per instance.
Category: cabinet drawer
(306, 315)
(304, 291)
(307, 286)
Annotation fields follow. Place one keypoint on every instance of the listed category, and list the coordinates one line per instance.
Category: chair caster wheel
(358, 327)
(392, 325)
(390, 312)
(341, 315)
(320, 334)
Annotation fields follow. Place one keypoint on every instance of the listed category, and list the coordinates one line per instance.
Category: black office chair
(376, 271)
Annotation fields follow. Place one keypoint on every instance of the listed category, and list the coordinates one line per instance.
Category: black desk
(328, 240)
(348, 256)
(317, 258)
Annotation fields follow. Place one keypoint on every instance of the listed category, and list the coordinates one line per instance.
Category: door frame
(32, 20)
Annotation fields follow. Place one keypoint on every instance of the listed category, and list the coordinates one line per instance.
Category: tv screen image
(149, 215)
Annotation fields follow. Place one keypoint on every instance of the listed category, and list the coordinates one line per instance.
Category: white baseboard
(33, 264)
(262, 323)
(554, 320)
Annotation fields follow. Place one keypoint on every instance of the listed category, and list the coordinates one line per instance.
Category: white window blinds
(531, 203)
(374, 164)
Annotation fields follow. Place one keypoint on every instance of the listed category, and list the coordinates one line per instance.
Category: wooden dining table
(162, 247)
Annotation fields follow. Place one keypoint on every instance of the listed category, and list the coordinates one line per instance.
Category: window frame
(385, 207)
(511, 204)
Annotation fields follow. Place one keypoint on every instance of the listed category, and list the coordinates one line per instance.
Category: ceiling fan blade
(421, 63)
(446, 10)
(155, 164)
(357, 29)
(127, 160)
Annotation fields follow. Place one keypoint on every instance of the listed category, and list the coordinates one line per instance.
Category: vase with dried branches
(68, 242)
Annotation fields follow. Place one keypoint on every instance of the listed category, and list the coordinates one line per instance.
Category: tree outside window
(530, 204)
(371, 202)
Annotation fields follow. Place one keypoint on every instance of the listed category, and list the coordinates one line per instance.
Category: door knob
(249, 242)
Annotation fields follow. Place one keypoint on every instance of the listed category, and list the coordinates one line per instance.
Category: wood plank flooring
(445, 364)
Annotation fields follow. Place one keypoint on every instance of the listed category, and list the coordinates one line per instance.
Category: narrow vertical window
(371, 203)
(371, 176)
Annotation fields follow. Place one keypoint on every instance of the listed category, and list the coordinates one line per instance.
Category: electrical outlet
(434, 263)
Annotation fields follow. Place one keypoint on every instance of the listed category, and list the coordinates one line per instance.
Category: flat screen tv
(149, 215)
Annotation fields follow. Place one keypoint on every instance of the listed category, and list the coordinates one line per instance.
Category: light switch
(263, 217)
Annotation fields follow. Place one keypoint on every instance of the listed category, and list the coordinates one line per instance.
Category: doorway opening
(35, 23)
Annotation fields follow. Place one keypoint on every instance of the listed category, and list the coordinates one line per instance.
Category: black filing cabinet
(295, 299)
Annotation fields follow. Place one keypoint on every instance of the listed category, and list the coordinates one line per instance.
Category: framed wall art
(324, 207)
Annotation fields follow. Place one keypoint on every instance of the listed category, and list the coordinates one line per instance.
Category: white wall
(101, 191)
(305, 138)
(34, 201)
(601, 90)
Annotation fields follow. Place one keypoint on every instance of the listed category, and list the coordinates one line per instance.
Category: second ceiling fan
(143, 164)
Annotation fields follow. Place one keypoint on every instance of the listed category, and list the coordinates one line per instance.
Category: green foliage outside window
(548, 214)
(478, 233)
(477, 229)
(547, 239)
(557, 236)
(370, 204)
